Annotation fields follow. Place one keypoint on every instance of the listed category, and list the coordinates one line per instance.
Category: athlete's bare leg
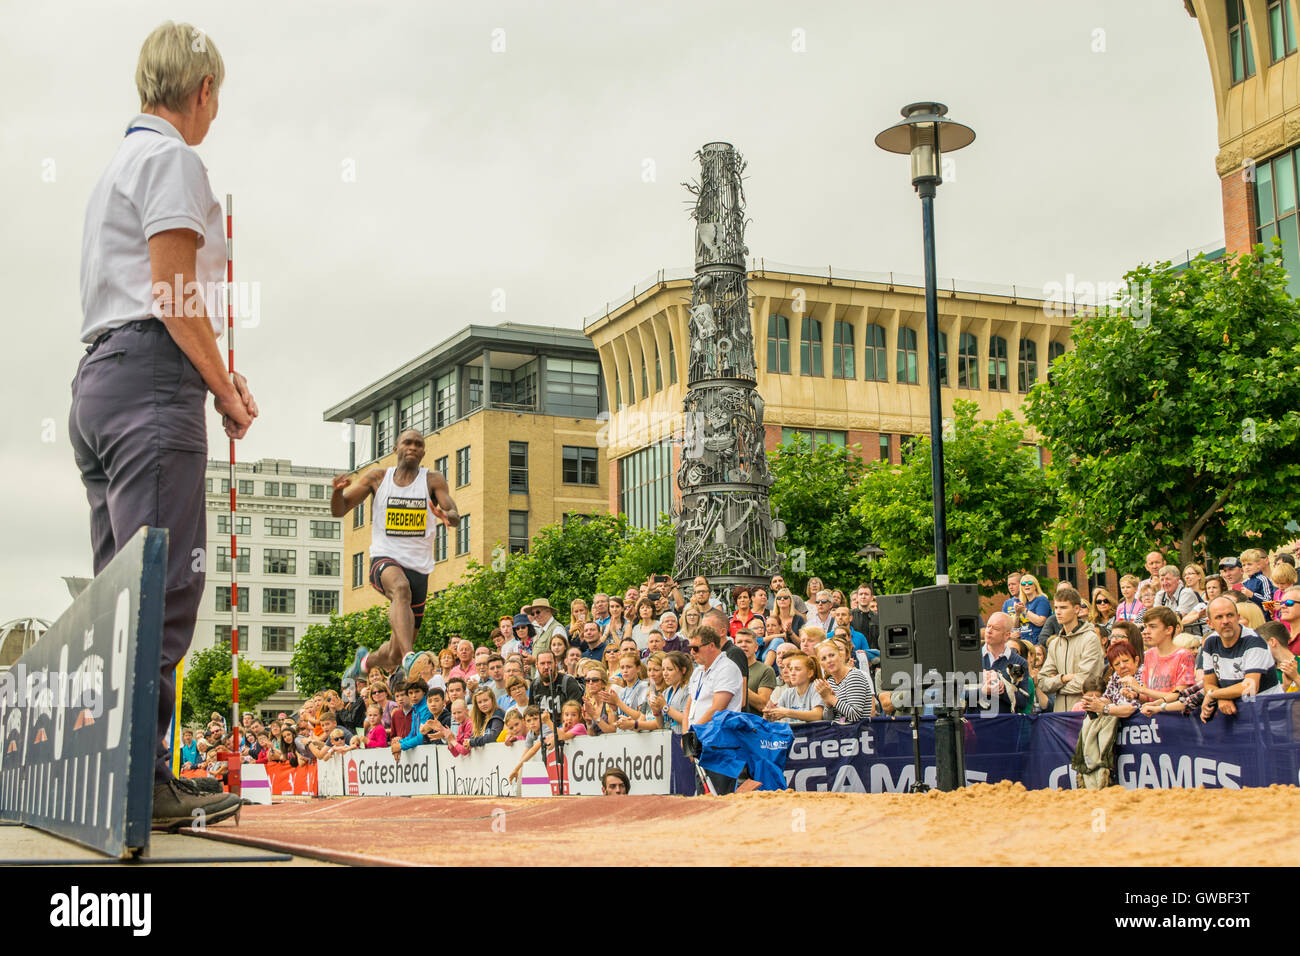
(401, 619)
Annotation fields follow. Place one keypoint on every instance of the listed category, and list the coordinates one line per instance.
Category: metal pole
(233, 766)
(926, 190)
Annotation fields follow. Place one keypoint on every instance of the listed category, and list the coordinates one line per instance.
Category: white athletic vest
(404, 523)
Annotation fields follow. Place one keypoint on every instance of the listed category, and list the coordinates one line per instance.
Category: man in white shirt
(716, 685)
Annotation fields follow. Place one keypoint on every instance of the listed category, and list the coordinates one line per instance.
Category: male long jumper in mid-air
(408, 501)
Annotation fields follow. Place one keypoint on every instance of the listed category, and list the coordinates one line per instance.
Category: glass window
(324, 563)
(225, 486)
(317, 491)
(223, 599)
(359, 514)
(907, 370)
(441, 467)
(884, 446)
(968, 361)
(272, 489)
(462, 535)
(519, 532)
(943, 359)
(322, 602)
(245, 486)
(243, 524)
(359, 569)
(1240, 53)
(1027, 370)
(413, 410)
(645, 480)
(326, 529)
(444, 412)
(276, 639)
(519, 467)
(1284, 183)
(998, 367)
(842, 350)
(289, 490)
(278, 600)
(1054, 351)
(810, 346)
(659, 372)
(223, 560)
(440, 542)
(672, 361)
(279, 561)
(222, 633)
(815, 436)
(1281, 33)
(645, 385)
(580, 466)
(282, 527)
(383, 430)
(876, 369)
(778, 344)
(573, 387)
(462, 466)
(207, 483)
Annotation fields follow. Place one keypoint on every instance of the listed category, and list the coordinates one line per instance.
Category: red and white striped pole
(233, 765)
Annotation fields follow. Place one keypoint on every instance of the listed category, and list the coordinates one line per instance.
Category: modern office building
(1251, 45)
(841, 357)
(289, 565)
(519, 453)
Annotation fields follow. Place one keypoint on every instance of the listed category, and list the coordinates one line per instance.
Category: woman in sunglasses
(599, 712)
(1102, 613)
(791, 622)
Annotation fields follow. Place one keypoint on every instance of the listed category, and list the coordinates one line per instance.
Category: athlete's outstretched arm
(444, 507)
(346, 497)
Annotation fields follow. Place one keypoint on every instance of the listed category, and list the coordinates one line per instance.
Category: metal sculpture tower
(724, 526)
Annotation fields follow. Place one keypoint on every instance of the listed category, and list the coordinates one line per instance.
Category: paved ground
(27, 847)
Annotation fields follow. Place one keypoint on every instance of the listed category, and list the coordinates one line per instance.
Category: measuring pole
(233, 765)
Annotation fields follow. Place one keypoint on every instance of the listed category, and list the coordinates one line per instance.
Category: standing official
(152, 257)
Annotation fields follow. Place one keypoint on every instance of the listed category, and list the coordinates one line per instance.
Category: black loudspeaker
(935, 627)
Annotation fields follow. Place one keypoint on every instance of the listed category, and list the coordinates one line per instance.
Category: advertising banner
(79, 710)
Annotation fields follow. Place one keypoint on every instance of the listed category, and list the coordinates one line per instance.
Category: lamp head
(925, 134)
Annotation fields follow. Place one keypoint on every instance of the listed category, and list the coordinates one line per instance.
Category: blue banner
(1257, 747)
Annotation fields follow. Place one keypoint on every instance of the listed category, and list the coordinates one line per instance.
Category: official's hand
(341, 482)
(396, 747)
(237, 406)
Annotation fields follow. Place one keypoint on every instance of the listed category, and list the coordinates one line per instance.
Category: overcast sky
(551, 169)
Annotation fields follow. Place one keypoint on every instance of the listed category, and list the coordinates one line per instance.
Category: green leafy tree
(563, 562)
(255, 685)
(1000, 505)
(1175, 426)
(641, 553)
(813, 493)
(197, 699)
(324, 651)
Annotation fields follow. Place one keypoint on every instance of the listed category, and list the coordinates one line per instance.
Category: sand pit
(999, 824)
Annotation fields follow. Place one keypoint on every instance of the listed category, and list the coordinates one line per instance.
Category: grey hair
(173, 61)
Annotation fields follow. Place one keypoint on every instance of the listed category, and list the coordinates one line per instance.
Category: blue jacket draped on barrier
(732, 740)
(1257, 747)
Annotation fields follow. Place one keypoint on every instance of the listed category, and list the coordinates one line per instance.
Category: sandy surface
(999, 824)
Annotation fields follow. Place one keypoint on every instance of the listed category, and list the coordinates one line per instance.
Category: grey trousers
(140, 440)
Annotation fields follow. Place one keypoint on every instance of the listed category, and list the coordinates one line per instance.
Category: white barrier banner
(254, 784)
(376, 773)
(485, 771)
(646, 758)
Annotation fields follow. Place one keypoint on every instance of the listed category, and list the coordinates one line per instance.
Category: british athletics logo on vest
(406, 517)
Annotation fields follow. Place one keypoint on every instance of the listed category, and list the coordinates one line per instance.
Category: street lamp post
(925, 134)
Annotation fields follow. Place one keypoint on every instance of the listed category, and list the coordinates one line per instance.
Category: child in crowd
(570, 721)
(1283, 577)
(376, 736)
(1131, 608)
(798, 702)
(1146, 595)
(514, 728)
(532, 738)
(400, 720)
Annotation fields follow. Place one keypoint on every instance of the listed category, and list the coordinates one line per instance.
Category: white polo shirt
(155, 182)
(722, 675)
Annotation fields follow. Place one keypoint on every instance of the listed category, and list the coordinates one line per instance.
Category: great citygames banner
(485, 771)
(1258, 747)
(79, 709)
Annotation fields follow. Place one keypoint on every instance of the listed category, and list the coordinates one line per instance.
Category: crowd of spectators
(661, 655)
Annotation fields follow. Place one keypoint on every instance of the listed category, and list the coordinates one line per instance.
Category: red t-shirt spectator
(1165, 673)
